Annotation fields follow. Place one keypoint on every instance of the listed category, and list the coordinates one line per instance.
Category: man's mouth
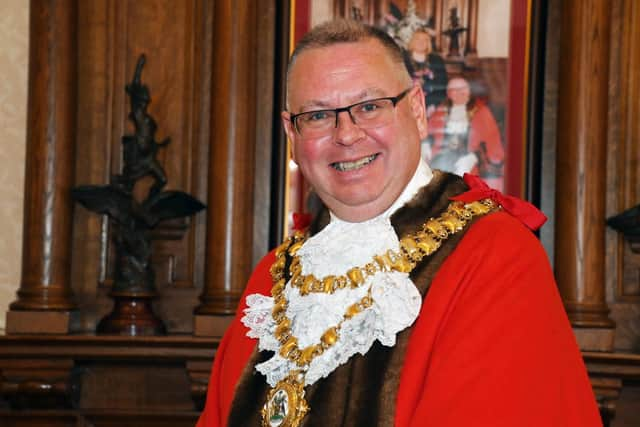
(349, 166)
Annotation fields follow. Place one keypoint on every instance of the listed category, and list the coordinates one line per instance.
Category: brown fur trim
(362, 392)
(250, 393)
(430, 202)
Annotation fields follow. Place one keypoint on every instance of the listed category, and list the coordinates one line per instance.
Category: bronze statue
(139, 150)
(453, 32)
(134, 285)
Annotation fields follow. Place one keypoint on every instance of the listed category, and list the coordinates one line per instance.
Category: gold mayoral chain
(286, 405)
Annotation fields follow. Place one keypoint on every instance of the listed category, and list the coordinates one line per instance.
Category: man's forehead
(366, 43)
(458, 84)
(328, 100)
(318, 76)
(336, 55)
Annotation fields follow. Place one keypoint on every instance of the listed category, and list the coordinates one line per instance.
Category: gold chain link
(413, 248)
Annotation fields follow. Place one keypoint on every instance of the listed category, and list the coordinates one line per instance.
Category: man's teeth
(349, 166)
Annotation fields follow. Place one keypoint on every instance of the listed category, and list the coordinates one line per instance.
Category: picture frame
(480, 46)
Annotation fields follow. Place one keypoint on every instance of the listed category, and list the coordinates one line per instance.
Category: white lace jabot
(338, 247)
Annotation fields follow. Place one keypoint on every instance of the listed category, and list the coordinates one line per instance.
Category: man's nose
(347, 132)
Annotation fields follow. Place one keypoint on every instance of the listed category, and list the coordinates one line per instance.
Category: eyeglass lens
(367, 114)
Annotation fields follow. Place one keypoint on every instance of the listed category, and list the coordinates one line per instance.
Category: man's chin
(358, 209)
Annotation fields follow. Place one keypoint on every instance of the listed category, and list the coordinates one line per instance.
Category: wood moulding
(609, 374)
(108, 377)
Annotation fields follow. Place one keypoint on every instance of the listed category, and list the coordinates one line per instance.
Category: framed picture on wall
(471, 58)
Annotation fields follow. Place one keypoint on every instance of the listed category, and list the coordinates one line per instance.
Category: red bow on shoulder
(301, 221)
(528, 214)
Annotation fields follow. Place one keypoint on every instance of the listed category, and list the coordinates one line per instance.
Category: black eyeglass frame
(394, 100)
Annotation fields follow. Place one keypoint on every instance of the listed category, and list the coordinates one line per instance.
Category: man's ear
(419, 111)
(290, 131)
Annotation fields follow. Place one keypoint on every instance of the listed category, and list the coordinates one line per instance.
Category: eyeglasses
(365, 114)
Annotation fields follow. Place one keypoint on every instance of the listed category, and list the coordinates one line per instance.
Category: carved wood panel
(80, 381)
(187, 54)
(176, 39)
(623, 163)
(629, 140)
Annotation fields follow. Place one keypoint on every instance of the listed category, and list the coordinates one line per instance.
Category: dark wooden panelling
(133, 419)
(213, 106)
(175, 36)
(89, 381)
(623, 164)
(627, 70)
(93, 156)
(97, 419)
(189, 72)
(48, 419)
(142, 386)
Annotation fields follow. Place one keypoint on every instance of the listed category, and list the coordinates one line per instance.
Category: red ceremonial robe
(483, 129)
(492, 345)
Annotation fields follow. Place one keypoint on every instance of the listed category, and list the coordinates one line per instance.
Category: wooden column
(440, 23)
(472, 32)
(45, 295)
(581, 169)
(231, 165)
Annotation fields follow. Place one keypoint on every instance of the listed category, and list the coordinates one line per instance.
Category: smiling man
(360, 160)
(423, 300)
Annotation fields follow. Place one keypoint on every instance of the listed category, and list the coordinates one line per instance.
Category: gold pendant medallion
(285, 405)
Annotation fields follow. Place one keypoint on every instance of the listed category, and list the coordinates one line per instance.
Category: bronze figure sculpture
(134, 285)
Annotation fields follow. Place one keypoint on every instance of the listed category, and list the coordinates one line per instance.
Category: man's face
(358, 173)
(458, 91)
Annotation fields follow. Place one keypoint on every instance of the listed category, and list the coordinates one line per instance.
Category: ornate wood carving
(50, 147)
(580, 177)
(199, 372)
(623, 176)
(37, 383)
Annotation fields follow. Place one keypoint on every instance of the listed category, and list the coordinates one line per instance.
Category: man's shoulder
(260, 280)
(498, 239)
(502, 225)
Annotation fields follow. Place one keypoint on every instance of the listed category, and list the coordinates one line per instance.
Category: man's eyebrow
(316, 104)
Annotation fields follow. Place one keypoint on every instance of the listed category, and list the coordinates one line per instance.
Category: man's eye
(316, 116)
(368, 107)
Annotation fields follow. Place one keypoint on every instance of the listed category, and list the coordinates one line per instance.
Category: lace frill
(333, 251)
